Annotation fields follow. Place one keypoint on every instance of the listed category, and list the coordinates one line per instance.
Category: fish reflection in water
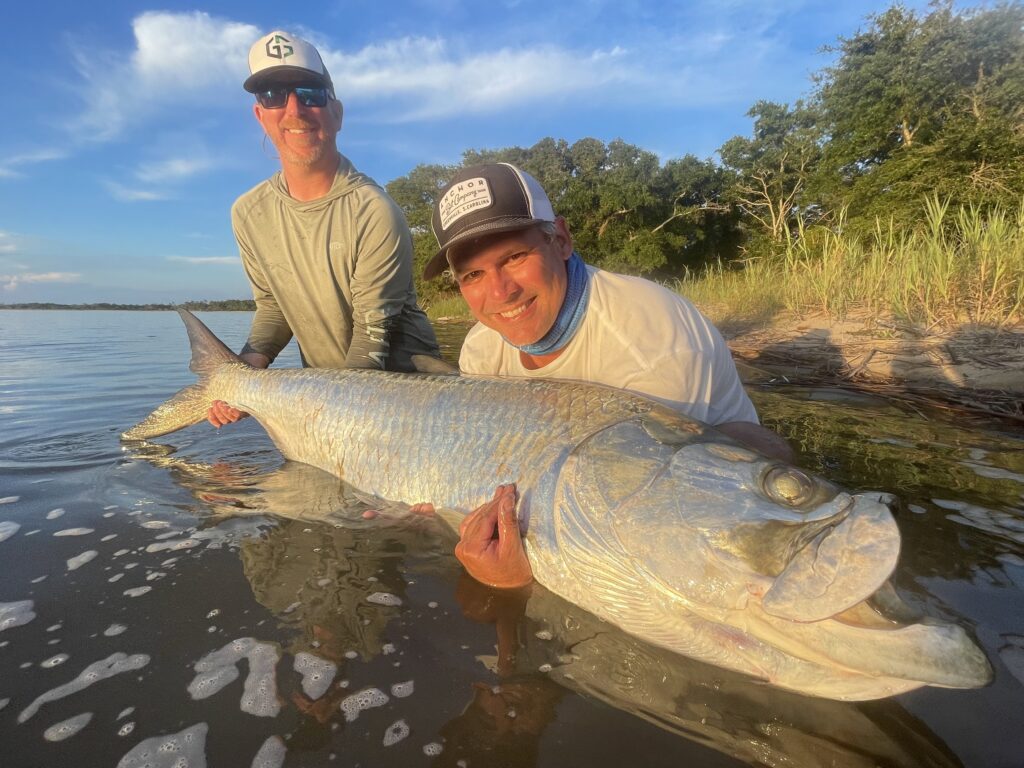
(316, 567)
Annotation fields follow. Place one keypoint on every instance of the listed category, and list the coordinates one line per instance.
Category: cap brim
(439, 262)
(284, 75)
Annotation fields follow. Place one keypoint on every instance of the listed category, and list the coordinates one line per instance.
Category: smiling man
(327, 252)
(544, 313)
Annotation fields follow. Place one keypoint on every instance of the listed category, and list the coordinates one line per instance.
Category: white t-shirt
(635, 335)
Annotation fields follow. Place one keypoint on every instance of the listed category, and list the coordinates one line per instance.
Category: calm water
(244, 605)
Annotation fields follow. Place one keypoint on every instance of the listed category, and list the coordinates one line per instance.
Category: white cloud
(8, 247)
(192, 60)
(172, 169)
(205, 259)
(432, 81)
(11, 282)
(8, 165)
(179, 58)
(129, 195)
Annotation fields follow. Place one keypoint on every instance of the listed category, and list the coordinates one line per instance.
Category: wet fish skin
(638, 514)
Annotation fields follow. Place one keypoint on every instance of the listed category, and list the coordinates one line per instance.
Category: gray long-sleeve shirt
(336, 272)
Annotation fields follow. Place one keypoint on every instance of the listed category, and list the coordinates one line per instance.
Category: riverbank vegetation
(896, 185)
(961, 265)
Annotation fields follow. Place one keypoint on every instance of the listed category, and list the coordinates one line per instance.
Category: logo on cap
(277, 51)
(464, 198)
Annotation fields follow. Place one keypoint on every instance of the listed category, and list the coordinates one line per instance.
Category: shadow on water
(317, 566)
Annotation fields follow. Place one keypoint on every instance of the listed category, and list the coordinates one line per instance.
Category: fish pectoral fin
(839, 568)
(673, 429)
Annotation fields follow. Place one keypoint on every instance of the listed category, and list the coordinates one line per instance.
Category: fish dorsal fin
(435, 365)
(207, 350)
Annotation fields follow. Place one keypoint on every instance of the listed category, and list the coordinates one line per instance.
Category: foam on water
(384, 598)
(317, 674)
(7, 529)
(173, 546)
(67, 728)
(15, 614)
(395, 732)
(367, 698)
(185, 749)
(219, 668)
(271, 754)
(54, 661)
(53, 514)
(432, 749)
(206, 684)
(4, 703)
(401, 690)
(79, 560)
(114, 629)
(75, 532)
(9, 499)
(114, 664)
(259, 695)
(137, 591)
(126, 729)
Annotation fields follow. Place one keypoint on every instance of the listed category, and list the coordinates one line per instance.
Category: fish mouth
(839, 568)
(834, 604)
(885, 609)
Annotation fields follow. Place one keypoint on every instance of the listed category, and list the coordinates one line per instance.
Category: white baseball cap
(281, 56)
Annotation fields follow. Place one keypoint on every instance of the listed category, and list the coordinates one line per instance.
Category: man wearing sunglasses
(327, 252)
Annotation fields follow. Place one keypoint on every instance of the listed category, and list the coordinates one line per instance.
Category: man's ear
(257, 111)
(339, 111)
(564, 237)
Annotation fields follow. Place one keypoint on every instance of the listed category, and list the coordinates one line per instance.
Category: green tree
(625, 210)
(917, 105)
(773, 167)
(416, 194)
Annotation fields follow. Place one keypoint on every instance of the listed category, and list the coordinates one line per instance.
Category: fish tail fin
(189, 406)
(208, 351)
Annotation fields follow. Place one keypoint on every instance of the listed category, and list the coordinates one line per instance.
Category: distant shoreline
(227, 305)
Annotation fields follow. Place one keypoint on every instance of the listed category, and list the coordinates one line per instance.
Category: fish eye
(788, 485)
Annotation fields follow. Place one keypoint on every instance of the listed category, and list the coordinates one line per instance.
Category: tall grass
(960, 265)
(448, 306)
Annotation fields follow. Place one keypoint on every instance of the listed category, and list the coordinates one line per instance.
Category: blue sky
(128, 135)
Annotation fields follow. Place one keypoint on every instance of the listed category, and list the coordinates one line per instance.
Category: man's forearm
(255, 359)
(371, 345)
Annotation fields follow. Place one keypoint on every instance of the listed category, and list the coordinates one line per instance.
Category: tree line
(222, 305)
(914, 105)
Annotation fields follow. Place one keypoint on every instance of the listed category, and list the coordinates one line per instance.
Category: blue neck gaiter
(577, 292)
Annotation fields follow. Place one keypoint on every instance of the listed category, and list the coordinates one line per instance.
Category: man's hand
(490, 546)
(220, 413)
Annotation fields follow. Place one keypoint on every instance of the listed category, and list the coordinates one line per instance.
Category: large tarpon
(633, 511)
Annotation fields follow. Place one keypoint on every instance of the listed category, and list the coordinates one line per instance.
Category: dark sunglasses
(276, 98)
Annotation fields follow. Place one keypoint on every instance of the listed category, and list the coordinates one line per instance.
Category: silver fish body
(640, 515)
